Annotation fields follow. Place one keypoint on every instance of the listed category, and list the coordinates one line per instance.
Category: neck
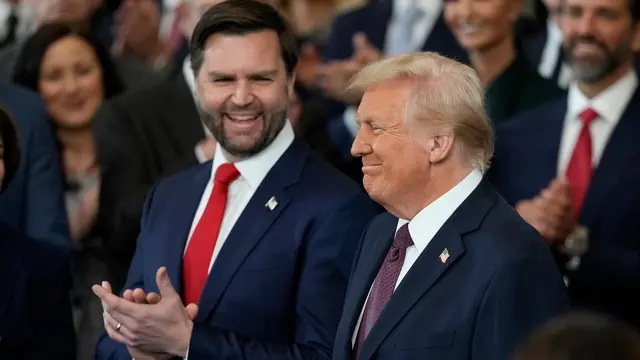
(489, 63)
(78, 149)
(591, 90)
(440, 181)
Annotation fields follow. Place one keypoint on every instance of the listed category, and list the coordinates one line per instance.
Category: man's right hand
(207, 147)
(550, 212)
(139, 296)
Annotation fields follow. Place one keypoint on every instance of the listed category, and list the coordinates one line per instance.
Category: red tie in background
(195, 265)
(175, 38)
(580, 165)
(384, 285)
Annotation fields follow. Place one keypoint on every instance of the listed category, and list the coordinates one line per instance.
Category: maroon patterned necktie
(383, 285)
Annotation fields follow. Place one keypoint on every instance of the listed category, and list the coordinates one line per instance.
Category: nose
(70, 84)
(361, 145)
(243, 94)
(463, 10)
(585, 24)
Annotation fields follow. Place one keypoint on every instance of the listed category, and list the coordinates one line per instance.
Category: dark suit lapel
(380, 237)
(179, 109)
(187, 200)
(620, 152)
(253, 224)
(375, 26)
(428, 268)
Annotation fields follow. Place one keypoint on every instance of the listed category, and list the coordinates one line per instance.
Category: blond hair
(447, 95)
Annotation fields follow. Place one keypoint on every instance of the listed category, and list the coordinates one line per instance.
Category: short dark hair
(241, 17)
(9, 137)
(29, 62)
(581, 336)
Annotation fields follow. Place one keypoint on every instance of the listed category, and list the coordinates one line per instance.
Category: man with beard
(274, 227)
(571, 169)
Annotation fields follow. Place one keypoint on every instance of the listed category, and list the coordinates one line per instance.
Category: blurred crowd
(103, 101)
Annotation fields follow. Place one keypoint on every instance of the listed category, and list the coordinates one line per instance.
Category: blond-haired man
(451, 271)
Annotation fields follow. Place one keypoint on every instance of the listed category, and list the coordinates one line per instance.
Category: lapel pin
(272, 203)
(444, 255)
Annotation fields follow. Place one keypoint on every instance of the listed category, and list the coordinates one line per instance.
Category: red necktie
(580, 165)
(383, 285)
(195, 265)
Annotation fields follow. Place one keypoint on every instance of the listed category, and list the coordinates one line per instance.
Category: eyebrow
(255, 74)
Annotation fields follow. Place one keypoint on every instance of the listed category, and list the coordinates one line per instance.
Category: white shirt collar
(610, 104)
(189, 78)
(553, 32)
(431, 8)
(256, 168)
(424, 226)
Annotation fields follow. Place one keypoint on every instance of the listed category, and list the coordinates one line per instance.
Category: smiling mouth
(241, 118)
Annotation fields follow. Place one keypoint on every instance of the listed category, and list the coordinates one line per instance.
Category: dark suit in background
(277, 287)
(142, 137)
(35, 308)
(526, 160)
(517, 89)
(499, 283)
(33, 204)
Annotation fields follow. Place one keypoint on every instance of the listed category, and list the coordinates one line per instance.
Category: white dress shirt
(431, 9)
(551, 54)
(610, 105)
(424, 226)
(168, 17)
(252, 171)
(25, 19)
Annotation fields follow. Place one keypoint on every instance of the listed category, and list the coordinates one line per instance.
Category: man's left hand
(164, 327)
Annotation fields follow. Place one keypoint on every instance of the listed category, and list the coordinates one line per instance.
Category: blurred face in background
(480, 25)
(71, 82)
(599, 37)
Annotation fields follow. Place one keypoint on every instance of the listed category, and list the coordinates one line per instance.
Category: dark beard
(274, 121)
(591, 73)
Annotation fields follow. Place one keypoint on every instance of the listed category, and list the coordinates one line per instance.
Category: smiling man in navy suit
(261, 239)
(451, 271)
(570, 168)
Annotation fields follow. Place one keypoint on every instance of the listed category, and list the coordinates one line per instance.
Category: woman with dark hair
(487, 31)
(35, 312)
(74, 75)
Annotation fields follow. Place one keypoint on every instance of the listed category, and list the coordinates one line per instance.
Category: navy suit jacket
(33, 203)
(35, 308)
(525, 161)
(277, 288)
(373, 20)
(499, 283)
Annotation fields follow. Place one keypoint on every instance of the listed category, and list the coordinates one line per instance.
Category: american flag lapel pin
(272, 203)
(444, 255)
